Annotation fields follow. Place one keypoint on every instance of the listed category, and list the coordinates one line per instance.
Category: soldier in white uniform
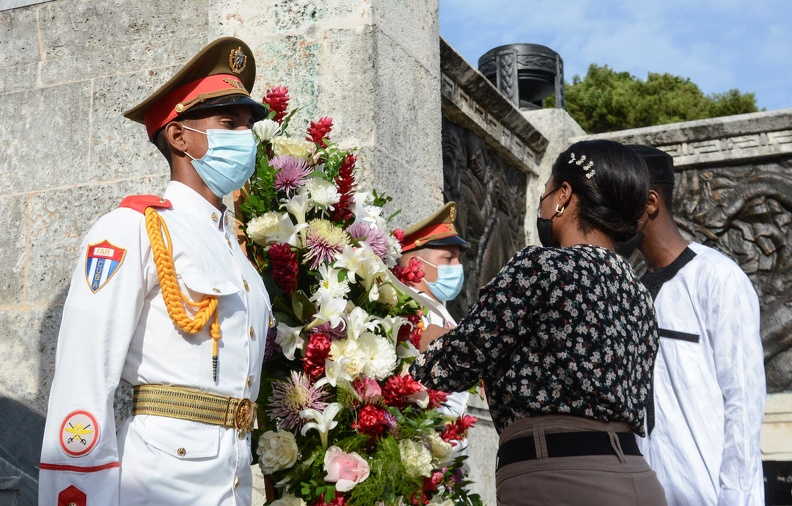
(163, 297)
(437, 245)
(709, 384)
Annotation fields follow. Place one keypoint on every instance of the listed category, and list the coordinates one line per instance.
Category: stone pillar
(559, 128)
(374, 67)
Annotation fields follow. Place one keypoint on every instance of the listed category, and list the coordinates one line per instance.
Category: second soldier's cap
(659, 163)
(435, 231)
(220, 75)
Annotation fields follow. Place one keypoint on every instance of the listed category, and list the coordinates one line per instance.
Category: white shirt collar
(185, 199)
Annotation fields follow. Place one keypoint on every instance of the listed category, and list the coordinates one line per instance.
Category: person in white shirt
(164, 298)
(437, 245)
(709, 385)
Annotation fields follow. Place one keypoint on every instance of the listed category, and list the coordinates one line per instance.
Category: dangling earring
(558, 211)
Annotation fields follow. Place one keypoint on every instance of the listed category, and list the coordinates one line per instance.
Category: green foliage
(261, 193)
(387, 479)
(605, 100)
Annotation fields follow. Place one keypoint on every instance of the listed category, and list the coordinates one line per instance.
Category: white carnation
(260, 228)
(277, 451)
(416, 458)
(265, 129)
(441, 450)
(323, 193)
(379, 355)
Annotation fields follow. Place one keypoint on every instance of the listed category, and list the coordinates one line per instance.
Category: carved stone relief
(491, 202)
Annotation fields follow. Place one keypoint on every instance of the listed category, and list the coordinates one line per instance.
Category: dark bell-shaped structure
(525, 73)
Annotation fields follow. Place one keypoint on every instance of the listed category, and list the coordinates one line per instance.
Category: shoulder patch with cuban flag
(102, 261)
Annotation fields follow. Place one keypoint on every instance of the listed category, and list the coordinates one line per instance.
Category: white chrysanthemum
(297, 148)
(288, 500)
(277, 451)
(416, 458)
(323, 193)
(274, 227)
(265, 129)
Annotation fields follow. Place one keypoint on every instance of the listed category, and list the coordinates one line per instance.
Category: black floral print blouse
(558, 331)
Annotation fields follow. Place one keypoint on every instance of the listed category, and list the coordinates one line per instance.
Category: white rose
(288, 500)
(260, 228)
(441, 450)
(416, 458)
(265, 129)
(297, 148)
(277, 451)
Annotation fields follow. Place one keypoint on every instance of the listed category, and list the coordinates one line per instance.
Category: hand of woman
(431, 333)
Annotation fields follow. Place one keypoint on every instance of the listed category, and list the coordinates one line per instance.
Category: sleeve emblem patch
(79, 433)
(102, 261)
(72, 496)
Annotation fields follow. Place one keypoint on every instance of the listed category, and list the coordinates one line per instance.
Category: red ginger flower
(277, 99)
(410, 274)
(457, 430)
(283, 264)
(338, 501)
(371, 420)
(319, 130)
(345, 182)
(437, 398)
(413, 331)
(316, 352)
(397, 389)
(398, 234)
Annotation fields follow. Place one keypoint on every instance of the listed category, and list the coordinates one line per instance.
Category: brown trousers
(595, 480)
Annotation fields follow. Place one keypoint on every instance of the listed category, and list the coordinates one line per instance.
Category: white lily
(337, 371)
(372, 268)
(357, 321)
(323, 422)
(289, 339)
(350, 259)
(390, 325)
(331, 310)
(374, 293)
(288, 232)
(298, 205)
(329, 286)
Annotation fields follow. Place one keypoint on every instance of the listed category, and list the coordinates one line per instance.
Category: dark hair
(615, 196)
(666, 192)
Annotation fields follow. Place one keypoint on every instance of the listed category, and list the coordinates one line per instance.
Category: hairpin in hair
(588, 168)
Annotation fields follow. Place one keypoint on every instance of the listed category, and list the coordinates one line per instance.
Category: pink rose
(344, 469)
(369, 390)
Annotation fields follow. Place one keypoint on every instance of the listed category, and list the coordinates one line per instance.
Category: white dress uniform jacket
(115, 325)
(709, 383)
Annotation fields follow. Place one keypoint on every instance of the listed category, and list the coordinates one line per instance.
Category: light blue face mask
(229, 162)
(450, 279)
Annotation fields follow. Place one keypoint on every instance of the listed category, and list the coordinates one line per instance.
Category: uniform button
(249, 380)
(252, 333)
(236, 481)
(246, 285)
(181, 452)
(272, 321)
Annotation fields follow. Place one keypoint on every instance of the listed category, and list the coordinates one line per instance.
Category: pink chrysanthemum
(324, 241)
(292, 172)
(371, 235)
(293, 395)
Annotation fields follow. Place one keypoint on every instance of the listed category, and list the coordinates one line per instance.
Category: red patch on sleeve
(140, 203)
(72, 496)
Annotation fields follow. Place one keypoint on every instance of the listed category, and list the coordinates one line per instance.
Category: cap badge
(237, 60)
(234, 83)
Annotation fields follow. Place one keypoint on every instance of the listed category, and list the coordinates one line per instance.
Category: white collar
(185, 199)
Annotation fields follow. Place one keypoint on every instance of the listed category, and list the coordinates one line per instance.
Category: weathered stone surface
(82, 39)
(55, 149)
(558, 127)
(61, 219)
(413, 25)
(119, 147)
(19, 51)
(483, 451)
(12, 249)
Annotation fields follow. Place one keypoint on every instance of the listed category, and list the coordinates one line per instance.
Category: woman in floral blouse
(565, 340)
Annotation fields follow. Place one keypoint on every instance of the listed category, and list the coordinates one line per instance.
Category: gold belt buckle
(244, 416)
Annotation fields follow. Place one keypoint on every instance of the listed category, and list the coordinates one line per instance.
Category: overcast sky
(719, 44)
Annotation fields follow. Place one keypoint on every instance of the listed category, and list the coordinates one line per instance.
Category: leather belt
(195, 405)
(567, 444)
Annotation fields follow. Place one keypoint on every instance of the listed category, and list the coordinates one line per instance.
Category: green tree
(605, 100)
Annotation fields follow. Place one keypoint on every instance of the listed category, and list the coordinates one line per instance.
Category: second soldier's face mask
(229, 162)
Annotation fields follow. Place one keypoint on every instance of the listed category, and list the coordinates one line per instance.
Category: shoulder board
(140, 203)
